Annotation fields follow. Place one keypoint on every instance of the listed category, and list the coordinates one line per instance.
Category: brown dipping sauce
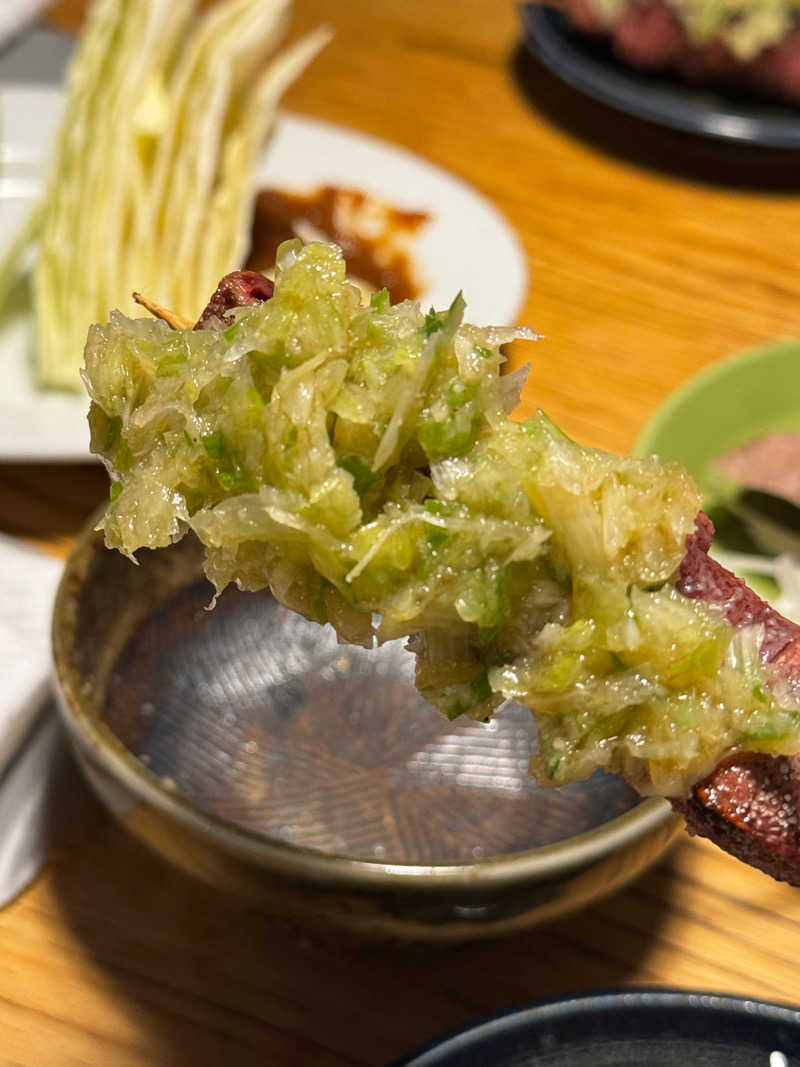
(375, 260)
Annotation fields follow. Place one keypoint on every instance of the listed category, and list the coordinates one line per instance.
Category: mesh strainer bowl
(247, 746)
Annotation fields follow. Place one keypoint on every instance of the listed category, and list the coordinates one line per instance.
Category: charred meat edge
(239, 289)
(749, 804)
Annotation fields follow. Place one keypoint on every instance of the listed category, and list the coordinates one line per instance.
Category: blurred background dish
(463, 228)
(659, 1028)
(250, 748)
(727, 404)
(591, 67)
(752, 398)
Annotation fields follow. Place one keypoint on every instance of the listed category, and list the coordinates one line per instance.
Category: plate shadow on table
(209, 979)
(647, 145)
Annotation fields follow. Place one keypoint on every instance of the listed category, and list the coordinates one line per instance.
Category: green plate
(725, 405)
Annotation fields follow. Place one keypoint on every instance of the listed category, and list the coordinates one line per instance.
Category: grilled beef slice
(749, 804)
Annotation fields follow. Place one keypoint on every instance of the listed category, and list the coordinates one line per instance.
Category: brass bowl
(248, 747)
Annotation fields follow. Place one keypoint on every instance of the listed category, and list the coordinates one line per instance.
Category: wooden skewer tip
(177, 322)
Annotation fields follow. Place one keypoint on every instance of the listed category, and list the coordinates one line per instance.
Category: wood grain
(650, 255)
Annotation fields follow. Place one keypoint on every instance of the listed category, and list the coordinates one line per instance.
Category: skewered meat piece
(749, 804)
(239, 289)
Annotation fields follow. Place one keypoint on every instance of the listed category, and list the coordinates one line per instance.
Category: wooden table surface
(650, 255)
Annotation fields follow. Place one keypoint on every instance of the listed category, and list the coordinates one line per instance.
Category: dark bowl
(590, 66)
(251, 749)
(633, 1028)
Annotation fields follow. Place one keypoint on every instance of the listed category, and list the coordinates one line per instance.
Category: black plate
(590, 67)
(627, 1029)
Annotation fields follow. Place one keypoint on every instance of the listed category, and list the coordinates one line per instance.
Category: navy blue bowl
(628, 1028)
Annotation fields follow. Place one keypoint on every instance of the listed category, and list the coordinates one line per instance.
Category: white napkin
(27, 800)
(28, 580)
(14, 14)
(30, 756)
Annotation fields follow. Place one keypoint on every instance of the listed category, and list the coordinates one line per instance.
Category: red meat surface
(750, 804)
(650, 37)
(770, 464)
(240, 288)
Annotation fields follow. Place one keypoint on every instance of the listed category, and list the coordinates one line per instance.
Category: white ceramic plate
(467, 245)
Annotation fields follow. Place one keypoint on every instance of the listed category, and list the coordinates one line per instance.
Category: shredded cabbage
(153, 178)
(358, 460)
